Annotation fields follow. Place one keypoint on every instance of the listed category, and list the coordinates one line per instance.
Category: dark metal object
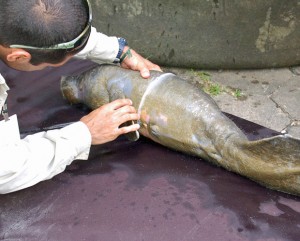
(5, 111)
(135, 191)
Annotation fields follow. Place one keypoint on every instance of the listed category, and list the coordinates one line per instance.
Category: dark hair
(42, 23)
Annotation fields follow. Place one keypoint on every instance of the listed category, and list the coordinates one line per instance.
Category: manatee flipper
(274, 162)
(115, 94)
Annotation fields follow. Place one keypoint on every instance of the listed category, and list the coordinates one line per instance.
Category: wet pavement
(269, 97)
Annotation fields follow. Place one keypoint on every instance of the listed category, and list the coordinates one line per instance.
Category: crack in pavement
(283, 110)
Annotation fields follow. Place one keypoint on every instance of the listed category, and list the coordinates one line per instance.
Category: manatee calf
(181, 116)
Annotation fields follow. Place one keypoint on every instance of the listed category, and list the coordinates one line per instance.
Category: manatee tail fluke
(277, 162)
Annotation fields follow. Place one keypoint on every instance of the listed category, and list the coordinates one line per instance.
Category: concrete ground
(269, 97)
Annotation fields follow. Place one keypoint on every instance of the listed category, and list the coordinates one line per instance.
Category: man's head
(32, 31)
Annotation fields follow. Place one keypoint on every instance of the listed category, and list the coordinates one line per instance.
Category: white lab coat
(43, 155)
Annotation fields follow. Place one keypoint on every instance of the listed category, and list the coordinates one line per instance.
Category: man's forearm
(41, 156)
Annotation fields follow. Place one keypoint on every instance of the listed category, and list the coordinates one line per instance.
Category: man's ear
(18, 55)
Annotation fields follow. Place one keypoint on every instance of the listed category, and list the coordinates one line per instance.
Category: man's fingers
(145, 73)
(124, 114)
(117, 104)
(127, 129)
(127, 117)
(145, 68)
(137, 62)
(157, 68)
(126, 109)
(152, 66)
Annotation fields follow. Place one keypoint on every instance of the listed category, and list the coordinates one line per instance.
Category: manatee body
(181, 116)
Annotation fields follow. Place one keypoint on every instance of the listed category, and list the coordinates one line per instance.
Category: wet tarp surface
(134, 190)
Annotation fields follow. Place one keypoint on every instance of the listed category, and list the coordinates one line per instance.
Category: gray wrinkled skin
(180, 116)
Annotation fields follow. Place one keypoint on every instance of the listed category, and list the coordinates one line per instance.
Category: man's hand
(135, 61)
(105, 121)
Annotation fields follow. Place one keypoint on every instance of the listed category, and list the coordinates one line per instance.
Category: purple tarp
(134, 191)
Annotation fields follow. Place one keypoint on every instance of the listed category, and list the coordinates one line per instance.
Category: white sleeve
(41, 156)
(100, 47)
